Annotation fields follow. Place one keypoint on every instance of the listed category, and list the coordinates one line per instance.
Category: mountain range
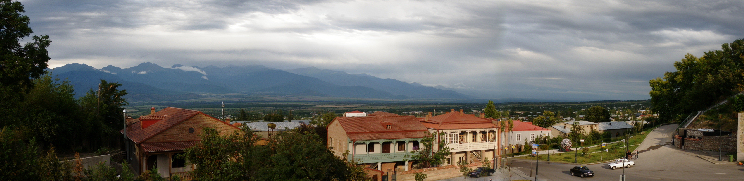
(151, 82)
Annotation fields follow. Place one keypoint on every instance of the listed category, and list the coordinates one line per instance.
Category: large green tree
(546, 120)
(597, 114)
(490, 111)
(19, 65)
(699, 83)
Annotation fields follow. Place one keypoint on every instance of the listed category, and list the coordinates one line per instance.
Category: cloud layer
(560, 50)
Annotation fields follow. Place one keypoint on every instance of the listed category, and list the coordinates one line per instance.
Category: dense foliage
(299, 154)
(546, 120)
(428, 156)
(699, 83)
(597, 114)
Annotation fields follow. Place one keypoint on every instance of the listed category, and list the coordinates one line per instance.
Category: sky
(528, 49)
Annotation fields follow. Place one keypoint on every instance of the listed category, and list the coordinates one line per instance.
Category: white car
(621, 163)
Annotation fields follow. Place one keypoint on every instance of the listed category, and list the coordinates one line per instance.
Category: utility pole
(126, 141)
(537, 165)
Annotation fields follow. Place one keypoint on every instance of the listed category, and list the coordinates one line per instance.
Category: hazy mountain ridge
(149, 81)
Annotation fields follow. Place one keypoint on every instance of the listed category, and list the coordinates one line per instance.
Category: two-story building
(382, 141)
(469, 137)
(158, 138)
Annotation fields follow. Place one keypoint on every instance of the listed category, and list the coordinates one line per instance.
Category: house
(355, 114)
(525, 131)
(469, 137)
(615, 128)
(564, 128)
(158, 138)
(382, 141)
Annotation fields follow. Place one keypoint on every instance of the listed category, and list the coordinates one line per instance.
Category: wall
(707, 143)
(93, 160)
(340, 139)
(436, 173)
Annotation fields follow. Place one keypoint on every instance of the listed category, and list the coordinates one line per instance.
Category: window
(177, 160)
(452, 138)
(519, 137)
(462, 138)
(483, 137)
(388, 126)
(401, 146)
(386, 147)
(371, 147)
(474, 136)
(532, 136)
(415, 145)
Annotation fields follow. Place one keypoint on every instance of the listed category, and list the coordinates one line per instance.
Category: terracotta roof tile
(168, 118)
(527, 126)
(457, 120)
(376, 127)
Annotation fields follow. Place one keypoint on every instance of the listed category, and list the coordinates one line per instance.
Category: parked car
(618, 163)
(481, 171)
(581, 171)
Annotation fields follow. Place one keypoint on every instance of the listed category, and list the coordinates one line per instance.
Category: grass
(595, 154)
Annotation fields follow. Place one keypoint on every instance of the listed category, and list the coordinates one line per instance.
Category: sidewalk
(503, 174)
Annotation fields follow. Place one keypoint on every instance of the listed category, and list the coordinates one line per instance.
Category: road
(656, 161)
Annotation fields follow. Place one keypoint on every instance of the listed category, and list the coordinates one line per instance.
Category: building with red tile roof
(158, 137)
(382, 141)
(526, 131)
(355, 114)
(469, 137)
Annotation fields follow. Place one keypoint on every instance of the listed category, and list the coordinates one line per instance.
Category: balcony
(458, 147)
(381, 157)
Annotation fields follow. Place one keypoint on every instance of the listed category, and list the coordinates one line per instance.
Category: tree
(597, 114)
(576, 132)
(490, 111)
(103, 110)
(427, 156)
(324, 119)
(698, 83)
(546, 120)
(293, 155)
(19, 65)
(229, 157)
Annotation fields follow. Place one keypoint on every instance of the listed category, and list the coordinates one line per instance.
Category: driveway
(657, 161)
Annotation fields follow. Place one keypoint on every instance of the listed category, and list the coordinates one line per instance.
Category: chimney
(227, 120)
(152, 110)
(452, 110)
(427, 116)
(461, 113)
(483, 115)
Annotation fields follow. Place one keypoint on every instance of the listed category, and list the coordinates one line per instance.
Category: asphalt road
(656, 163)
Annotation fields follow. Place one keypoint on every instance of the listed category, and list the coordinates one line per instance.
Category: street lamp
(626, 157)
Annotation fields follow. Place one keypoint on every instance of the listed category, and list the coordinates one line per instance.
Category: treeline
(699, 83)
(49, 114)
(39, 113)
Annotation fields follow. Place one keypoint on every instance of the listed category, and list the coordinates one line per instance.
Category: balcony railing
(381, 157)
(456, 147)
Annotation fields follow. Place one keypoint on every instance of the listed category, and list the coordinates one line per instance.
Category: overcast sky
(560, 50)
